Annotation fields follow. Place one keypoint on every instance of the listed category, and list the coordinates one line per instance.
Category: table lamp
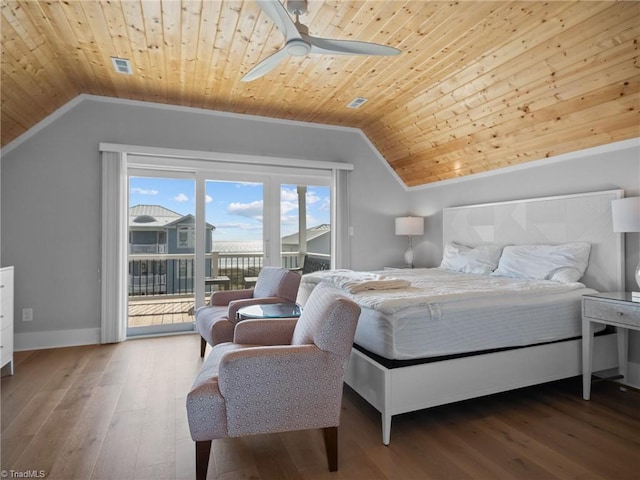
(409, 226)
(626, 218)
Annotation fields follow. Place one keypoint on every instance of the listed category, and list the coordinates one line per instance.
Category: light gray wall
(618, 169)
(50, 194)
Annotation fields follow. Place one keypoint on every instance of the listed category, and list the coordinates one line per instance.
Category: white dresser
(6, 316)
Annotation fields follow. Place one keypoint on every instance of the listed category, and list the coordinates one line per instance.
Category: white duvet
(425, 287)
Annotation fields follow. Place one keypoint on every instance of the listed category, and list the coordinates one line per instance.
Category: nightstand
(613, 308)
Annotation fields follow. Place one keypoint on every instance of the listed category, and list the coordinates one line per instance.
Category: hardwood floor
(118, 412)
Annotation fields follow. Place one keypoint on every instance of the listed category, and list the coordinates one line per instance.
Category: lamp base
(635, 296)
(408, 257)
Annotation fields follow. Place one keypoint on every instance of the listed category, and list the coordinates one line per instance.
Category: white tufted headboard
(582, 217)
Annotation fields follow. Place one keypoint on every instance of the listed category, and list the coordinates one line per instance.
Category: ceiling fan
(299, 43)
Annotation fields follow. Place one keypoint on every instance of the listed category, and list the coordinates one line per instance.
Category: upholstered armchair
(215, 323)
(277, 376)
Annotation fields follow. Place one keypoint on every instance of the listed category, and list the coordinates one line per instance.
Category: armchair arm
(277, 389)
(275, 331)
(245, 302)
(224, 297)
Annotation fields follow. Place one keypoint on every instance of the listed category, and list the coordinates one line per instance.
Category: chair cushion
(207, 318)
(277, 282)
(329, 320)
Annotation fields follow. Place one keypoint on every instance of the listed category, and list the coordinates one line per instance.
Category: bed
(441, 336)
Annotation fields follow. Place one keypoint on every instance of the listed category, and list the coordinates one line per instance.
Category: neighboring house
(157, 231)
(318, 240)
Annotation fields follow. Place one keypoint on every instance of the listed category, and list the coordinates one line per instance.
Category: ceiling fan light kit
(299, 43)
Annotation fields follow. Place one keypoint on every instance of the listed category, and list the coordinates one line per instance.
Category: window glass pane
(234, 211)
(161, 254)
(306, 209)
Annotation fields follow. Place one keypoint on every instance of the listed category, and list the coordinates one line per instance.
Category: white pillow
(461, 258)
(562, 263)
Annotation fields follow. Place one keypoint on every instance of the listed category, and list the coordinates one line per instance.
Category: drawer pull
(620, 314)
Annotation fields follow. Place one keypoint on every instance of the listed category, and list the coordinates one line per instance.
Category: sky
(234, 208)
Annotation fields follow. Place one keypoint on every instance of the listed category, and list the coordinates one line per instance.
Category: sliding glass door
(161, 248)
(194, 232)
(136, 254)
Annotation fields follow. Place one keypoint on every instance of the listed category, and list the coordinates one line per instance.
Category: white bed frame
(581, 217)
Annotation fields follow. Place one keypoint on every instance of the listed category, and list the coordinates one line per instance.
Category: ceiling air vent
(122, 65)
(356, 102)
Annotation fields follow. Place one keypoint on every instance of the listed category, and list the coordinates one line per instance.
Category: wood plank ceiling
(479, 85)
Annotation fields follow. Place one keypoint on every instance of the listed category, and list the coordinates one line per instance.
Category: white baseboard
(56, 339)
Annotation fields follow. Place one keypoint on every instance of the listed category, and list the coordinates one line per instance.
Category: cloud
(289, 195)
(247, 184)
(250, 210)
(286, 207)
(144, 191)
(208, 199)
(325, 206)
(289, 220)
(312, 197)
(181, 197)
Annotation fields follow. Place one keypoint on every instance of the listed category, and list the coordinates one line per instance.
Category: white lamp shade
(409, 226)
(626, 214)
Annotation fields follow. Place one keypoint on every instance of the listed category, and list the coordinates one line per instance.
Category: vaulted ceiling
(479, 84)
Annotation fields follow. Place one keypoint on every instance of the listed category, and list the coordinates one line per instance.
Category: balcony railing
(147, 248)
(174, 274)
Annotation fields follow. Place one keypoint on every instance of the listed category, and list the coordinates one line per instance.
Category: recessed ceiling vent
(356, 102)
(122, 65)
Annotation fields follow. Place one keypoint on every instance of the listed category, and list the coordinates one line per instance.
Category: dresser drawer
(6, 284)
(6, 313)
(6, 341)
(612, 312)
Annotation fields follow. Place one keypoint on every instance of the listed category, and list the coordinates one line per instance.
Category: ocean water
(245, 246)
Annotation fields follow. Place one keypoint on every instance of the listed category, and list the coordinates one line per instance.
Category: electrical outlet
(27, 314)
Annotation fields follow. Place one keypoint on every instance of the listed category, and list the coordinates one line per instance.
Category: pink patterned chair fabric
(277, 376)
(215, 323)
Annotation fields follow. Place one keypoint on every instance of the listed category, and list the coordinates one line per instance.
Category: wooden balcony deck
(148, 311)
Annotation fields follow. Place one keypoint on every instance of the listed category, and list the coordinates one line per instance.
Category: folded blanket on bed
(354, 282)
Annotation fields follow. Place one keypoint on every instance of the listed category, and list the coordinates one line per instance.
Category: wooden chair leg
(203, 346)
(331, 445)
(203, 450)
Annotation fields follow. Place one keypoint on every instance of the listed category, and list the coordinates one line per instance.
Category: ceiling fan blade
(348, 47)
(278, 15)
(265, 66)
